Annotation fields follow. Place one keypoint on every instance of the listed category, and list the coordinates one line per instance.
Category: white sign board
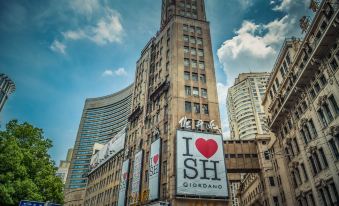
(200, 165)
(123, 183)
(136, 180)
(111, 148)
(154, 170)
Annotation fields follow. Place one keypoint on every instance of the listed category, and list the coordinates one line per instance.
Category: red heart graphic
(155, 159)
(125, 175)
(206, 147)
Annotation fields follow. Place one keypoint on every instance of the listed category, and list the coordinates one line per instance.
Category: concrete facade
(245, 112)
(175, 78)
(302, 105)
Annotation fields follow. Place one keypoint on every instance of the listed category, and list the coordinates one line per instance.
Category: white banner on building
(136, 180)
(154, 170)
(123, 183)
(200, 165)
(111, 148)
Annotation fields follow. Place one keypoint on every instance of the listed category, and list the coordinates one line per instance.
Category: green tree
(26, 169)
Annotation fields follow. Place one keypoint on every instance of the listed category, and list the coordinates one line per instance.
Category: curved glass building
(101, 119)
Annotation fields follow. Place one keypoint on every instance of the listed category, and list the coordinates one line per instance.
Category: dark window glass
(188, 107)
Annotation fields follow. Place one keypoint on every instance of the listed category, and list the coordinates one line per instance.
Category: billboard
(200, 165)
(154, 170)
(136, 180)
(123, 183)
(112, 147)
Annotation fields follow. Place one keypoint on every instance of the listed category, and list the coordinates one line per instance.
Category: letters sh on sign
(154, 167)
(200, 165)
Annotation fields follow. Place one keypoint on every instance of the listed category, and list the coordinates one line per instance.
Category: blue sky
(60, 52)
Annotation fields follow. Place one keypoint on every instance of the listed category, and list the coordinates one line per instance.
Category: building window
(186, 62)
(192, 40)
(195, 91)
(328, 112)
(204, 93)
(334, 148)
(205, 108)
(187, 75)
(195, 77)
(271, 180)
(334, 104)
(203, 78)
(186, 50)
(188, 90)
(322, 117)
(185, 27)
(186, 39)
(201, 65)
(199, 41)
(192, 28)
(194, 64)
(199, 30)
(197, 108)
(304, 171)
(193, 51)
(312, 93)
(314, 131)
(200, 53)
(334, 64)
(323, 157)
(323, 80)
(188, 107)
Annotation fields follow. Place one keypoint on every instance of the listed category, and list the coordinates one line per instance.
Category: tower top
(194, 9)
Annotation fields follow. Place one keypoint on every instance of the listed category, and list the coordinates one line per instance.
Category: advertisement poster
(154, 170)
(200, 165)
(136, 180)
(123, 183)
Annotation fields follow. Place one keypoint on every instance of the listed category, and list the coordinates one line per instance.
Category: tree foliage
(26, 169)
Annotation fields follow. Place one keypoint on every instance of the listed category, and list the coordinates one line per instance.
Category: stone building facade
(302, 101)
(175, 78)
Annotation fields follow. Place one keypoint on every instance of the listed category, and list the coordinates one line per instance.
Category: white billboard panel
(154, 170)
(200, 165)
(111, 148)
(123, 183)
(136, 180)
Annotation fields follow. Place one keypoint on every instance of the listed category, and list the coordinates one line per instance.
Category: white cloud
(107, 72)
(255, 46)
(107, 30)
(57, 46)
(118, 72)
(245, 3)
(85, 7)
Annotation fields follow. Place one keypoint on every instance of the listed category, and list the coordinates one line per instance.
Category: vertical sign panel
(123, 183)
(154, 169)
(200, 165)
(136, 181)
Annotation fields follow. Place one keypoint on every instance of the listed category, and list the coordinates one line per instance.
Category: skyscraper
(7, 87)
(101, 119)
(174, 82)
(245, 112)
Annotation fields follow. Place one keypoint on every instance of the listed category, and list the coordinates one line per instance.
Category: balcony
(159, 90)
(307, 59)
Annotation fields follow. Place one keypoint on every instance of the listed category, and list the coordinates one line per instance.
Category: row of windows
(192, 29)
(193, 51)
(328, 110)
(194, 63)
(193, 40)
(196, 107)
(195, 91)
(195, 77)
